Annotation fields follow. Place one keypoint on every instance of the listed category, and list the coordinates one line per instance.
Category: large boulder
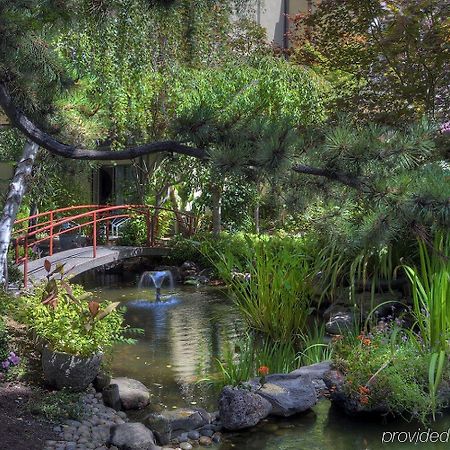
(132, 436)
(288, 395)
(316, 373)
(241, 408)
(133, 394)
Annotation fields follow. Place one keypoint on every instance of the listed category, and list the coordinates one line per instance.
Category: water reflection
(184, 335)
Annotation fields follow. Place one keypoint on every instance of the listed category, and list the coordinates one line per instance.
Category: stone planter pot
(63, 370)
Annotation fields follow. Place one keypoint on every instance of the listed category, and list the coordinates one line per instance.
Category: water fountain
(156, 279)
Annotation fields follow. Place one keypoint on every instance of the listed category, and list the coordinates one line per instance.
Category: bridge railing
(31, 231)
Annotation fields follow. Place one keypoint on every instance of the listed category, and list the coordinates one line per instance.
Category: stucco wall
(6, 173)
(271, 15)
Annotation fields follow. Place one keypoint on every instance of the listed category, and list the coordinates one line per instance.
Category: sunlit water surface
(186, 333)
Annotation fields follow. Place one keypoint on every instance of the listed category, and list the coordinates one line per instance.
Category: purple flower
(14, 359)
(5, 364)
(445, 127)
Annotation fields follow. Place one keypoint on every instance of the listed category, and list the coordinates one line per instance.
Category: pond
(183, 337)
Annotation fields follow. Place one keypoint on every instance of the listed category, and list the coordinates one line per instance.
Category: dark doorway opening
(106, 185)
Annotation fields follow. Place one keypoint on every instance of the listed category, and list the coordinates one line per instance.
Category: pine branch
(43, 139)
(341, 177)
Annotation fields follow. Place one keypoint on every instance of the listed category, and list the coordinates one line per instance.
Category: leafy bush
(134, 232)
(70, 326)
(270, 281)
(204, 248)
(387, 367)
(67, 319)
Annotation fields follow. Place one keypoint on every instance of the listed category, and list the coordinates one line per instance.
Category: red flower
(263, 371)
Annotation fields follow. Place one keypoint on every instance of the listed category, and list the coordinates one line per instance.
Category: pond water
(183, 337)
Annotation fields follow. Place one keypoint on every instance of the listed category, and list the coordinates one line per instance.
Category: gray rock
(241, 408)
(133, 394)
(194, 435)
(186, 419)
(205, 441)
(161, 427)
(206, 432)
(316, 373)
(132, 436)
(185, 446)
(101, 381)
(63, 370)
(287, 395)
(111, 396)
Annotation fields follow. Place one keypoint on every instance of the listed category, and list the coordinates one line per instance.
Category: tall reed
(270, 282)
(431, 304)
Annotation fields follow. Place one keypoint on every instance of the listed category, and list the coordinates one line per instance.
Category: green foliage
(270, 282)
(313, 347)
(242, 359)
(56, 405)
(66, 318)
(388, 59)
(4, 351)
(387, 368)
(431, 301)
(68, 326)
(134, 232)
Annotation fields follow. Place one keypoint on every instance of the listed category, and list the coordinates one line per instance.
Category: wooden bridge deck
(79, 260)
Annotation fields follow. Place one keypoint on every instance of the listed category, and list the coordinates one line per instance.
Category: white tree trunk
(216, 197)
(13, 200)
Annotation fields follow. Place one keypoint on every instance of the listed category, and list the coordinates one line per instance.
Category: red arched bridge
(89, 236)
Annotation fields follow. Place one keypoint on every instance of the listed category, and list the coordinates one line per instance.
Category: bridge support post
(51, 234)
(25, 263)
(149, 228)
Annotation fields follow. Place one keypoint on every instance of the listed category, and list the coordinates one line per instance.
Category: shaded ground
(19, 429)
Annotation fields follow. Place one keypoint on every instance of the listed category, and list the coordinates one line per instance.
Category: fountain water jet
(156, 279)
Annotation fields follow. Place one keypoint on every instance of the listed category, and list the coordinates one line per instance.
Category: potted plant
(76, 330)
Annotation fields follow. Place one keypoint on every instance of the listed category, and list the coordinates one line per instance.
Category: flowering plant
(11, 361)
(263, 372)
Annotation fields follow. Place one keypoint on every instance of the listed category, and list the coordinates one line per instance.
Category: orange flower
(363, 390)
(364, 399)
(263, 371)
(366, 341)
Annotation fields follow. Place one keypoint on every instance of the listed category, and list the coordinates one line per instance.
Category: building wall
(6, 174)
(271, 14)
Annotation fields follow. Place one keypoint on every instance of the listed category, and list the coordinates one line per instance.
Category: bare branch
(344, 178)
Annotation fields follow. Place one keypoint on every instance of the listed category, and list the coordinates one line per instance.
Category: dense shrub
(71, 323)
(387, 367)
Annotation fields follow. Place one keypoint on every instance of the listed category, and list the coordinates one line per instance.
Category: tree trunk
(13, 201)
(216, 197)
(257, 217)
